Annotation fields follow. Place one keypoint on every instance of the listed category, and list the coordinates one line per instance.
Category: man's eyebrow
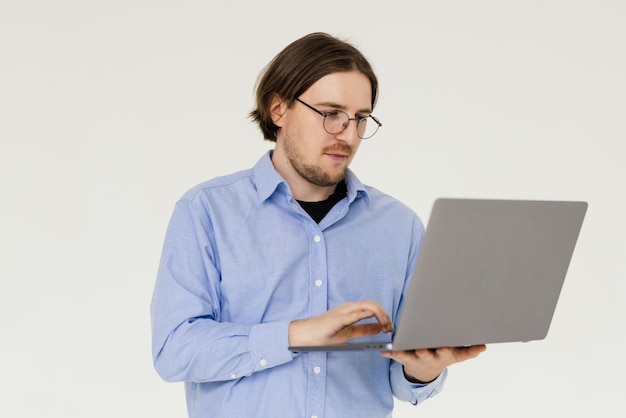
(342, 107)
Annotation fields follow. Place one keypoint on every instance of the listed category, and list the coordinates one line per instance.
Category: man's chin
(325, 180)
(316, 175)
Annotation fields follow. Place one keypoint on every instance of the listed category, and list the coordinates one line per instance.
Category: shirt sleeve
(190, 342)
(412, 392)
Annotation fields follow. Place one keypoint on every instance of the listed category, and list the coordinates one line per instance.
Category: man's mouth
(338, 158)
(338, 152)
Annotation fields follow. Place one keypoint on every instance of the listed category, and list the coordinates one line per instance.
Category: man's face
(310, 152)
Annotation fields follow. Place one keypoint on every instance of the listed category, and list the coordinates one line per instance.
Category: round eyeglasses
(336, 121)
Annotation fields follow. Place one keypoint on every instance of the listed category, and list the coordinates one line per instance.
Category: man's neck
(302, 189)
(318, 210)
(312, 193)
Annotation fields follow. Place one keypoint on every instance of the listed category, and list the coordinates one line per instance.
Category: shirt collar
(356, 188)
(268, 180)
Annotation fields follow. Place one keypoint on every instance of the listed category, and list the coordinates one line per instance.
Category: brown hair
(298, 67)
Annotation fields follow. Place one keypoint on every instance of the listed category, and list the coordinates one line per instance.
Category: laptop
(489, 271)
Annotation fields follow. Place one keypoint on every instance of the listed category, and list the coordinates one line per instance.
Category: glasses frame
(357, 119)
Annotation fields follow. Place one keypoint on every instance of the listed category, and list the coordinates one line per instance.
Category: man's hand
(337, 325)
(423, 366)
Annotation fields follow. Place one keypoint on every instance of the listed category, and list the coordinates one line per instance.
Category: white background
(109, 111)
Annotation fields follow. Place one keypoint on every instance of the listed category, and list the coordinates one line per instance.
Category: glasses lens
(335, 122)
(367, 127)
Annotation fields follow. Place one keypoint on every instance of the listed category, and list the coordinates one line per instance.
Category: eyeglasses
(336, 121)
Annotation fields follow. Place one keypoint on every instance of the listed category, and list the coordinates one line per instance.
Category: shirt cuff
(269, 345)
(414, 392)
(428, 390)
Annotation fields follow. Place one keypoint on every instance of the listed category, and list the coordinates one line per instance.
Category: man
(295, 251)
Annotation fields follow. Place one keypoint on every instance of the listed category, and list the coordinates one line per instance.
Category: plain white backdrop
(109, 111)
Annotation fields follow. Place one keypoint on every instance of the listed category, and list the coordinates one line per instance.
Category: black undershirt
(317, 210)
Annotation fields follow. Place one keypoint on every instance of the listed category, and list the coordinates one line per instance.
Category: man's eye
(331, 114)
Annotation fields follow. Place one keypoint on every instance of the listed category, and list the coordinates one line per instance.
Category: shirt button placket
(317, 384)
(319, 305)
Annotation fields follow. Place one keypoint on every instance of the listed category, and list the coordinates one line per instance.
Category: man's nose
(349, 132)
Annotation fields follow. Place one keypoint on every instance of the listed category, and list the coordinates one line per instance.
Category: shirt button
(233, 376)
(317, 369)
(313, 416)
(317, 238)
(318, 283)
(263, 362)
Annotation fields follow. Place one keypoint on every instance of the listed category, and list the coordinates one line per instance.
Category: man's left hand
(425, 365)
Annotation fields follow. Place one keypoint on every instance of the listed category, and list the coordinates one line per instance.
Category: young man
(295, 251)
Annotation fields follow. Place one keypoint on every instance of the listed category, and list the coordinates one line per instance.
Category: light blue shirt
(241, 260)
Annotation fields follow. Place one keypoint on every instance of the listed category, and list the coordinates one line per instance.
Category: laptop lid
(489, 271)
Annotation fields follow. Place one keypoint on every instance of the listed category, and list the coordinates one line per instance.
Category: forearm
(205, 350)
(407, 391)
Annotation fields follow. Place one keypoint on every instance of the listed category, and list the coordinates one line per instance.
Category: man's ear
(278, 107)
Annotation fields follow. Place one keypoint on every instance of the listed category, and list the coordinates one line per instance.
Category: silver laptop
(489, 271)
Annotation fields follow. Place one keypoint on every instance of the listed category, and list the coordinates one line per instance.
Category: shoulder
(381, 211)
(381, 201)
(234, 183)
(221, 196)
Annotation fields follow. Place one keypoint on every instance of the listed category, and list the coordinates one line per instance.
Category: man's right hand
(337, 325)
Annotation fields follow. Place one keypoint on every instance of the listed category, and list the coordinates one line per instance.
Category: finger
(365, 330)
(469, 352)
(458, 354)
(479, 348)
(364, 309)
(399, 356)
(425, 352)
(381, 315)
